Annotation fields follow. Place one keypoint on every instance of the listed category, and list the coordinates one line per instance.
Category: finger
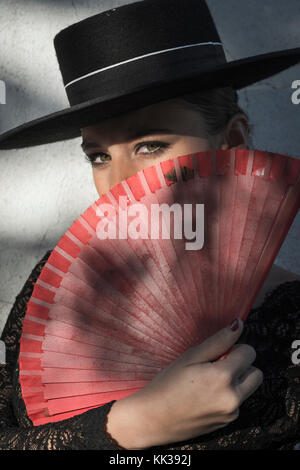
(239, 360)
(248, 383)
(224, 355)
(227, 352)
(214, 346)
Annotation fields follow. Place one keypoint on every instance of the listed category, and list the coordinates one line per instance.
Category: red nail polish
(234, 325)
(222, 357)
(225, 355)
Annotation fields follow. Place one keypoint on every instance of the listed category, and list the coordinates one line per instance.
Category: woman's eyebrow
(88, 145)
(135, 135)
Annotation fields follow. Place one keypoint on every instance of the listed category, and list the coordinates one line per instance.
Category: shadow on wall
(16, 92)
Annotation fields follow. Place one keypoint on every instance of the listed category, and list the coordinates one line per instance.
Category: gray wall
(44, 189)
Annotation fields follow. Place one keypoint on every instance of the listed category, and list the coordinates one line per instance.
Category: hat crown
(130, 31)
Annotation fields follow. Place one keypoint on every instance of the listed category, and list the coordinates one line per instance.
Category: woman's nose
(121, 168)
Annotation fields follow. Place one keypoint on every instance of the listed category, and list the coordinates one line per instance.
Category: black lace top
(269, 418)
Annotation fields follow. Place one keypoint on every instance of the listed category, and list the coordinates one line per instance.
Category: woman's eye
(98, 159)
(153, 147)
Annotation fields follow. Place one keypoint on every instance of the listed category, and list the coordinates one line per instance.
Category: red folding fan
(106, 315)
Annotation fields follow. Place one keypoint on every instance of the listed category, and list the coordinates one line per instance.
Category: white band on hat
(141, 57)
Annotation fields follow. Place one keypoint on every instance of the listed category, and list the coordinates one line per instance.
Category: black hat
(134, 56)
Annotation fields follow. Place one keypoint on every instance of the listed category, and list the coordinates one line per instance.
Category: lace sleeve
(84, 431)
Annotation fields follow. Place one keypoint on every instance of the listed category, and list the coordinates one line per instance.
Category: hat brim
(66, 124)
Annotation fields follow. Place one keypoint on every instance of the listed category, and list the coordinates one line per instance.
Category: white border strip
(141, 57)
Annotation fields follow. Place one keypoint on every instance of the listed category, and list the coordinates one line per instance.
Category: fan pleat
(105, 314)
(173, 276)
(144, 289)
(142, 262)
(180, 266)
(89, 388)
(115, 285)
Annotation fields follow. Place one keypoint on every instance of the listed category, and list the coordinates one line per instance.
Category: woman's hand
(194, 395)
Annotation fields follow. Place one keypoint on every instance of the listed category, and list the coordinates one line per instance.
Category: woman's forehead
(169, 115)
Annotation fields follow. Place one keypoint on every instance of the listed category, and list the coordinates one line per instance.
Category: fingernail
(235, 324)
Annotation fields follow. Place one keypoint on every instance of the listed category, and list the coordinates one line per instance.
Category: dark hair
(217, 107)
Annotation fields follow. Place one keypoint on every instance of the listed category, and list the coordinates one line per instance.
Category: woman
(195, 402)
